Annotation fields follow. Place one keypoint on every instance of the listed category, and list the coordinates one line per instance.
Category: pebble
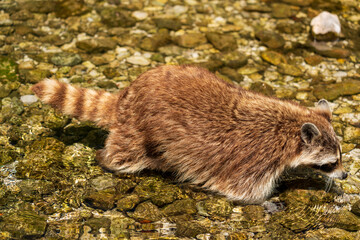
(138, 60)
(28, 99)
(325, 22)
(139, 15)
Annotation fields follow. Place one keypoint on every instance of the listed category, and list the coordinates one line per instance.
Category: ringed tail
(85, 104)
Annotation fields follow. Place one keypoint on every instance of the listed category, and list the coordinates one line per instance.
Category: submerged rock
(217, 208)
(66, 59)
(147, 211)
(273, 57)
(223, 42)
(23, 224)
(179, 207)
(270, 39)
(190, 40)
(8, 70)
(335, 90)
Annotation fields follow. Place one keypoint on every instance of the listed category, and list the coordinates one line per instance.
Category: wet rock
(273, 57)
(36, 75)
(28, 99)
(78, 158)
(313, 60)
(254, 213)
(103, 200)
(22, 15)
(8, 70)
(66, 8)
(66, 59)
(40, 6)
(270, 39)
(329, 51)
(223, 42)
(119, 226)
(102, 182)
(54, 119)
(10, 107)
(299, 197)
(96, 45)
(127, 203)
(189, 229)
(344, 220)
(171, 50)
(23, 224)
(157, 191)
(106, 84)
(124, 185)
(302, 3)
(355, 208)
(280, 10)
(257, 8)
(179, 207)
(289, 70)
(35, 189)
(63, 229)
(232, 74)
(190, 40)
(335, 90)
(157, 40)
(352, 134)
(290, 27)
(217, 208)
(263, 88)
(116, 17)
(139, 15)
(97, 223)
(42, 160)
(146, 211)
(325, 26)
(138, 60)
(330, 233)
(233, 59)
(169, 23)
(7, 88)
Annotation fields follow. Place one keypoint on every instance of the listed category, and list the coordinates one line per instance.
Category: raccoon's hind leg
(124, 151)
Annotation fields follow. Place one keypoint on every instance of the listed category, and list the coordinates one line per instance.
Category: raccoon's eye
(326, 167)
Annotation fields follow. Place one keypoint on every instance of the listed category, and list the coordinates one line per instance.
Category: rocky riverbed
(51, 186)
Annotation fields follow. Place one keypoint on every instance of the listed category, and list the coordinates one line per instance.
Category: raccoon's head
(321, 148)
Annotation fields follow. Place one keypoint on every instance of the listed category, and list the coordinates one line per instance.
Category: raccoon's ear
(324, 109)
(309, 132)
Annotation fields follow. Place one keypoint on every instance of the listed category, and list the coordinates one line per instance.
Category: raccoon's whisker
(329, 183)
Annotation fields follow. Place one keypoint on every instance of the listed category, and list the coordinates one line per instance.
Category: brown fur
(186, 120)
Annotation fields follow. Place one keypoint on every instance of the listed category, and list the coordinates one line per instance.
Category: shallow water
(51, 186)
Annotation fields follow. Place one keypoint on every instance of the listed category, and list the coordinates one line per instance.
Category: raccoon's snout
(344, 175)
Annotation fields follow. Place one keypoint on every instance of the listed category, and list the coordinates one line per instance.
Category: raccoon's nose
(344, 175)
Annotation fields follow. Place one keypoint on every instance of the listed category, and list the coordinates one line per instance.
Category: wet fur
(186, 120)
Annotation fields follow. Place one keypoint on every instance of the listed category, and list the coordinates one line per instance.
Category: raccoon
(186, 120)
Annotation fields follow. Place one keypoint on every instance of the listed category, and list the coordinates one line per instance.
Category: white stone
(28, 99)
(140, 15)
(177, 10)
(325, 22)
(139, 60)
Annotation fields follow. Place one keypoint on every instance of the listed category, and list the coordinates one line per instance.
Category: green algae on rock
(8, 70)
(23, 224)
(335, 90)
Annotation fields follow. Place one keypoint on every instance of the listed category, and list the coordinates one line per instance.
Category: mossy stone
(10, 107)
(179, 207)
(147, 211)
(8, 70)
(223, 42)
(270, 39)
(168, 22)
(273, 57)
(116, 17)
(67, 8)
(36, 75)
(35, 189)
(103, 200)
(66, 59)
(23, 224)
(289, 70)
(127, 203)
(333, 91)
(263, 88)
(157, 191)
(7, 88)
(352, 134)
(216, 208)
